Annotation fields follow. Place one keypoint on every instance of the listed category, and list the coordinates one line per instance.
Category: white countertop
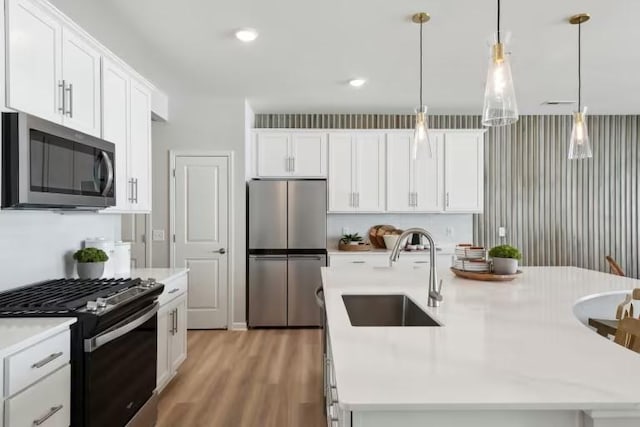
(18, 333)
(160, 274)
(514, 345)
(445, 250)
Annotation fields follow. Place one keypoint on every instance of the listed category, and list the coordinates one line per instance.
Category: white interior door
(201, 225)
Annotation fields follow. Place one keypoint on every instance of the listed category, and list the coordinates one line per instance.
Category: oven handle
(128, 325)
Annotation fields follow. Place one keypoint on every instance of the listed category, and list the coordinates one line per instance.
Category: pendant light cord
(579, 67)
(421, 60)
(498, 32)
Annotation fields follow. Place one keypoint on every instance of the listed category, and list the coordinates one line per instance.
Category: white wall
(36, 246)
(460, 225)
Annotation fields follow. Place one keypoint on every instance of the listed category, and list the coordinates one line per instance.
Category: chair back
(628, 334)
(614, 267)
(630, 307)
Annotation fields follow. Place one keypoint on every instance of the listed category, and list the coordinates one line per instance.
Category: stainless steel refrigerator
(287, 247)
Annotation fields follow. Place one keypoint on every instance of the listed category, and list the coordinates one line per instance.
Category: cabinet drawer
(173, 289)
(43, 404)
(28, 366)
(364, 260)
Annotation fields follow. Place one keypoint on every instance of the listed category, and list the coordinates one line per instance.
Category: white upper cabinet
(281, 154)
(81, 75)
(52, 72)
(464, 171)
(140, 146)
(356, 172)
(34, 69)
(414, 185)
(115, 125)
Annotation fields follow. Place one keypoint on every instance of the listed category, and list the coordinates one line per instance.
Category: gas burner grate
(60, 295)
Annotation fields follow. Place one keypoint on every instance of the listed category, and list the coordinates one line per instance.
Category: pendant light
(579, 148)
(500, 106)
(421, 133)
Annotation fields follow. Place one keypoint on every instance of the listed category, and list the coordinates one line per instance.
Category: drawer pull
(358, 262)
(46, 360)
(173, 291)
(48, 415)
(421, 262)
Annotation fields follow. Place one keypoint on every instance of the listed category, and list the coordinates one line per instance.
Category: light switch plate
(158, 235)
(502, 232)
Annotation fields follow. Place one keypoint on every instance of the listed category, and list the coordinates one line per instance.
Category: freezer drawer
(267, 290)
(304, 279)
(307, 209)
(268, 215)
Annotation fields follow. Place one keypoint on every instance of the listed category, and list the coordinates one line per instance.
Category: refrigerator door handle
(310, 257)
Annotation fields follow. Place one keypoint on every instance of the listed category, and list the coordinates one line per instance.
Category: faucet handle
(435, 295)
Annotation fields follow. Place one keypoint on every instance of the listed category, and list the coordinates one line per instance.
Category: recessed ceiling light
(357, 82)
(246, 35)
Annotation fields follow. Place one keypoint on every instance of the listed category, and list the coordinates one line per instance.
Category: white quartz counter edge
(503, 346)
(18, 333)
(160, 274)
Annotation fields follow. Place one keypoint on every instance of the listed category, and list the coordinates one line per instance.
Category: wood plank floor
(258, 378)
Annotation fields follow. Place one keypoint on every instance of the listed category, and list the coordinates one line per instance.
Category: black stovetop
(59, 296)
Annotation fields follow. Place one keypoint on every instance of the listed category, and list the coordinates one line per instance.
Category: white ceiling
(308, 50)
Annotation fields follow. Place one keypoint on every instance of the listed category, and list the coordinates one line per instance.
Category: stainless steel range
(113, 344)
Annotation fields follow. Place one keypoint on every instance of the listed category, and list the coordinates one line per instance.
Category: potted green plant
(351, 239)
(505, 259)
(90, 262)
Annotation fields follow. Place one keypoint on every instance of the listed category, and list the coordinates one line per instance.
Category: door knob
(221, 251)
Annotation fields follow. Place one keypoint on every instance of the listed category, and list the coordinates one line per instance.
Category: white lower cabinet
(35, 384)
(443, 261)
(172, 330)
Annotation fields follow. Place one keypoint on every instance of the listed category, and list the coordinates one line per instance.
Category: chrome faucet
(435, 287)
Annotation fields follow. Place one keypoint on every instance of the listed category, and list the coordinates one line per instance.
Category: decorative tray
(485, 276)
(354, 248)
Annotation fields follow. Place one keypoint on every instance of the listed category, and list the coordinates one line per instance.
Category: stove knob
(92, 306)
(101, 302)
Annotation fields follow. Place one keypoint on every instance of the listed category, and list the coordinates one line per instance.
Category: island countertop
(514, 345)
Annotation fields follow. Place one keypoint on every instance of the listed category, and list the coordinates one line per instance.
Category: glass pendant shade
(500, 106)
(420, 139)
(580, 147)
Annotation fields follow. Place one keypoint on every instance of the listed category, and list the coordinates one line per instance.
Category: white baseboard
(238, 326)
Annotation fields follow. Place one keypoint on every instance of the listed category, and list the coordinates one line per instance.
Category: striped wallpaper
(558, 212)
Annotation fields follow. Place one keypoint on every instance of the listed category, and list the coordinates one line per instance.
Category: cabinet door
(179, 338)
(272, 154)
(341, 170)
(464, 168)
(81, 73)
(309, 154)
(34, 72)
(399, 172)
(140, 146)
(165, 324)
(428, 176)
(370, 172)
(115, 125)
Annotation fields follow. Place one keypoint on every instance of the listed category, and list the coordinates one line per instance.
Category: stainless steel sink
(385, 310)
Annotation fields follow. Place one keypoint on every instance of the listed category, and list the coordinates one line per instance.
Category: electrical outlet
(346, 230)
(449, 231)
(158, 235)
(502, 232)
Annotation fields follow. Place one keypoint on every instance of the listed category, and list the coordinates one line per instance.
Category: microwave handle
(107, 161)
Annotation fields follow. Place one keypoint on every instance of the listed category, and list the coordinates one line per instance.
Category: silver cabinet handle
(130, 198)
(221, 251)
(173, 291)
(358, 199)
(136, 186)
(48, 415)
(50, 358)
(62, 86)
(410, 199)
(415, 199)
(69, 90)
(293, 164)
(358, 262)
(173, 321)
(447, 199)
(287, 164)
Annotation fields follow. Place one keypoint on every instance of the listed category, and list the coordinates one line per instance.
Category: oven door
(120, 369)
(54, 166)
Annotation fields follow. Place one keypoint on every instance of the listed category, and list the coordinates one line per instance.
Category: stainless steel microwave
(49, 166)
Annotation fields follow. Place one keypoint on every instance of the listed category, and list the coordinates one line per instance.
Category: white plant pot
(505, 265)
(354, 243)
(90, 270)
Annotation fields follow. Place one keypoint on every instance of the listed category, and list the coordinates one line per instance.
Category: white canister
(107, 246)
(122, 259)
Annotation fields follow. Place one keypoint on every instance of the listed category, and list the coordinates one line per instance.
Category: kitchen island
(507, 354)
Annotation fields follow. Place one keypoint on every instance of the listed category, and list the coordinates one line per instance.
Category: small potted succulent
(351, 239)
(90, 262)
(505, 259)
